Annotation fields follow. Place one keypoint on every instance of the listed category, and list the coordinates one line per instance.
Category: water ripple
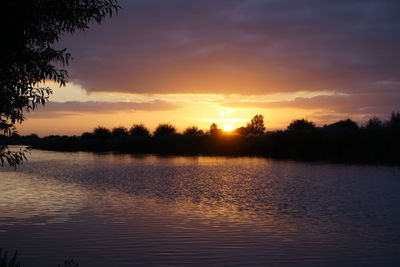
(122, 210)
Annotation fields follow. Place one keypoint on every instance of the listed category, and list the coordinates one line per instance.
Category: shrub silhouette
(193, 131)
(243, 131)
(139, 130)
(165, 129)
(301, 125)
(101, 132)
(347, 124)
(86, 136)
(374, 124)
(120, 131)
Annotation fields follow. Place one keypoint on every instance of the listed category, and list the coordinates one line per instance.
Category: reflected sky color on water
(122, 210)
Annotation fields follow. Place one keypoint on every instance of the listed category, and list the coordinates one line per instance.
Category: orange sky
(81, 112)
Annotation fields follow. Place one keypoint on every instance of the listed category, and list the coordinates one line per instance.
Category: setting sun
(227, 127)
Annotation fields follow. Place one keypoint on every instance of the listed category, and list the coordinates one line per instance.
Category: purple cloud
(371, 104)
(237, 46)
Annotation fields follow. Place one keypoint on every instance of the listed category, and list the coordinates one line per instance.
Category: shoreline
(318, 145)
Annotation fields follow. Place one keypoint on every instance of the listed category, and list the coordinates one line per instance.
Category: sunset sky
(199, 62)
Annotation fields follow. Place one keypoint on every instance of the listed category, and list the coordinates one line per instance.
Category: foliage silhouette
(301, 125)
(394, 121)
(256, 125)
(193, 131)
(374, 124)
(347, 124)
(119, 131)
(13, 158)
(241, 131)
(139, 130)
(101, 132)
(86, 136)
(165, 129)
(30, 57)
(214, 130)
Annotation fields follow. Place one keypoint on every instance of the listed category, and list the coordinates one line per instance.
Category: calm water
(122, 210)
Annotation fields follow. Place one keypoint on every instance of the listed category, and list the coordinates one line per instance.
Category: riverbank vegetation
(345, 141)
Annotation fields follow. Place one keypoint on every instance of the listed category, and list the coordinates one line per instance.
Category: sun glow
(227, 127)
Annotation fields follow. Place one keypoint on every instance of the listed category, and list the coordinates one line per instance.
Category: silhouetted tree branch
(29, 57)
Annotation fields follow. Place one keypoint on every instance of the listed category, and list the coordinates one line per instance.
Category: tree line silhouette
(345, 141)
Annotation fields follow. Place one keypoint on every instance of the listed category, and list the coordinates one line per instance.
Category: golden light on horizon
(227, 127)
(181, 110)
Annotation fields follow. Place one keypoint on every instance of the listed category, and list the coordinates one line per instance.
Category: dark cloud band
(235, 46)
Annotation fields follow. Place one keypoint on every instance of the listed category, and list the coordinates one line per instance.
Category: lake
(124, 210)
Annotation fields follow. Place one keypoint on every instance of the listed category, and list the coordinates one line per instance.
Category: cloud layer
(242, 46)
(62, 109)
(377, 104)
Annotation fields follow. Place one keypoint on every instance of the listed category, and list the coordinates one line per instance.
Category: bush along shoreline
(376, 142)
